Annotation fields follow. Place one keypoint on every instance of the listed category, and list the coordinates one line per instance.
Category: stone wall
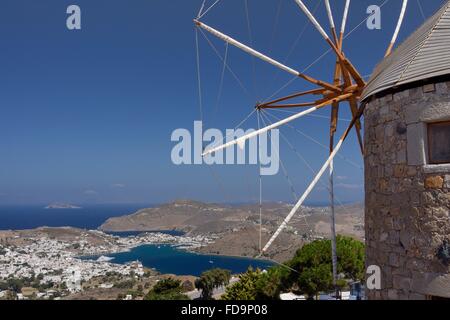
(407, 200)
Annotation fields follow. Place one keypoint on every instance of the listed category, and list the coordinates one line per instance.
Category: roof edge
(406, 86)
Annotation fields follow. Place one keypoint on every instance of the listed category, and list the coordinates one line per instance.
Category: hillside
(237, 227)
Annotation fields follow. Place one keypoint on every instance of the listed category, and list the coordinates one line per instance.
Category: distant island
(62, 206)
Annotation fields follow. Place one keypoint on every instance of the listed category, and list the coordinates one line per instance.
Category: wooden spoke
(354, 108)
(319, 83)
(291, 105)
(334, 121)
(304, 93)
(334, 100)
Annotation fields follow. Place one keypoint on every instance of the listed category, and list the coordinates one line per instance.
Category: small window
(439, 142)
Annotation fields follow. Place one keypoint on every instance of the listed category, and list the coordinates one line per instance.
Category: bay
(168, 259)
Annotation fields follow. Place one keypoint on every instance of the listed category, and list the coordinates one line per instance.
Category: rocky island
(62, 206)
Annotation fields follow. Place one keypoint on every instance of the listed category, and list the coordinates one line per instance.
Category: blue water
(90, 217)
(170, 260)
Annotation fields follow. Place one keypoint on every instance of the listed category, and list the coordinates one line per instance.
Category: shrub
(167, 289)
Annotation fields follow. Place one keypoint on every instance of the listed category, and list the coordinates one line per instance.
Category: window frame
(429, 140)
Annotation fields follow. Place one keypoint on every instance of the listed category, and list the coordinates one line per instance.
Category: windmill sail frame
(347, 86)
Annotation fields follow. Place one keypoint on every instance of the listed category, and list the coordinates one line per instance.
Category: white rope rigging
(199, 81)
(299, 155)
(300, 36)
(222, 76)
(284, 265)
(201, 112)
(354, 164)
(215, 176)
(305, 195)
(275, 25)
(262, 114)
(213, 47)
(421, 10)
(260, 190)
(246, 48)
(231, 135)
(283, 167)
(313, 115)
(201, 9)
(333, 228)
(312, 19)
(325, 53)
(331, 189)
(364, 20)
(291, 185)
(241, 141)
(207, 10)
(325, 186)
(250, 36)
(287, 84)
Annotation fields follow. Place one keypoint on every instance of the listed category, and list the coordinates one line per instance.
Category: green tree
(245, 288)
(187, 286)
(167, 289)
(126, 284)
(15, 285)
(210, 280)
(3, 286)
(314, 265)
(316, 279)
(309, 271)
(272, 282)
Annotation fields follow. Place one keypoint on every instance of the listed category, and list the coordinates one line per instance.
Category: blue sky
(86, 116)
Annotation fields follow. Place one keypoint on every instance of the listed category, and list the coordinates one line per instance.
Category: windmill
(347, 85)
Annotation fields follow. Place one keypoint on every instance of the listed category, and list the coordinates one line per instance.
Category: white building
(73, 281)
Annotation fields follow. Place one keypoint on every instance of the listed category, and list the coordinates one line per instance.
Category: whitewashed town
(59, 267)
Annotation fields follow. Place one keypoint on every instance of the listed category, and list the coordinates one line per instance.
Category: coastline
(198, 262)
(182, 243)
(131, 247)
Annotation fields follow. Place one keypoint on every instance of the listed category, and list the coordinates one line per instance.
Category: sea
(168, 259)
(88, 217)
(164, 258)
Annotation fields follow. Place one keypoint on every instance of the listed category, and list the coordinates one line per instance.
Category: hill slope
(237, 227)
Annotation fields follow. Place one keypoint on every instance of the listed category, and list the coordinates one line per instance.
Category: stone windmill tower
(407, 160)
